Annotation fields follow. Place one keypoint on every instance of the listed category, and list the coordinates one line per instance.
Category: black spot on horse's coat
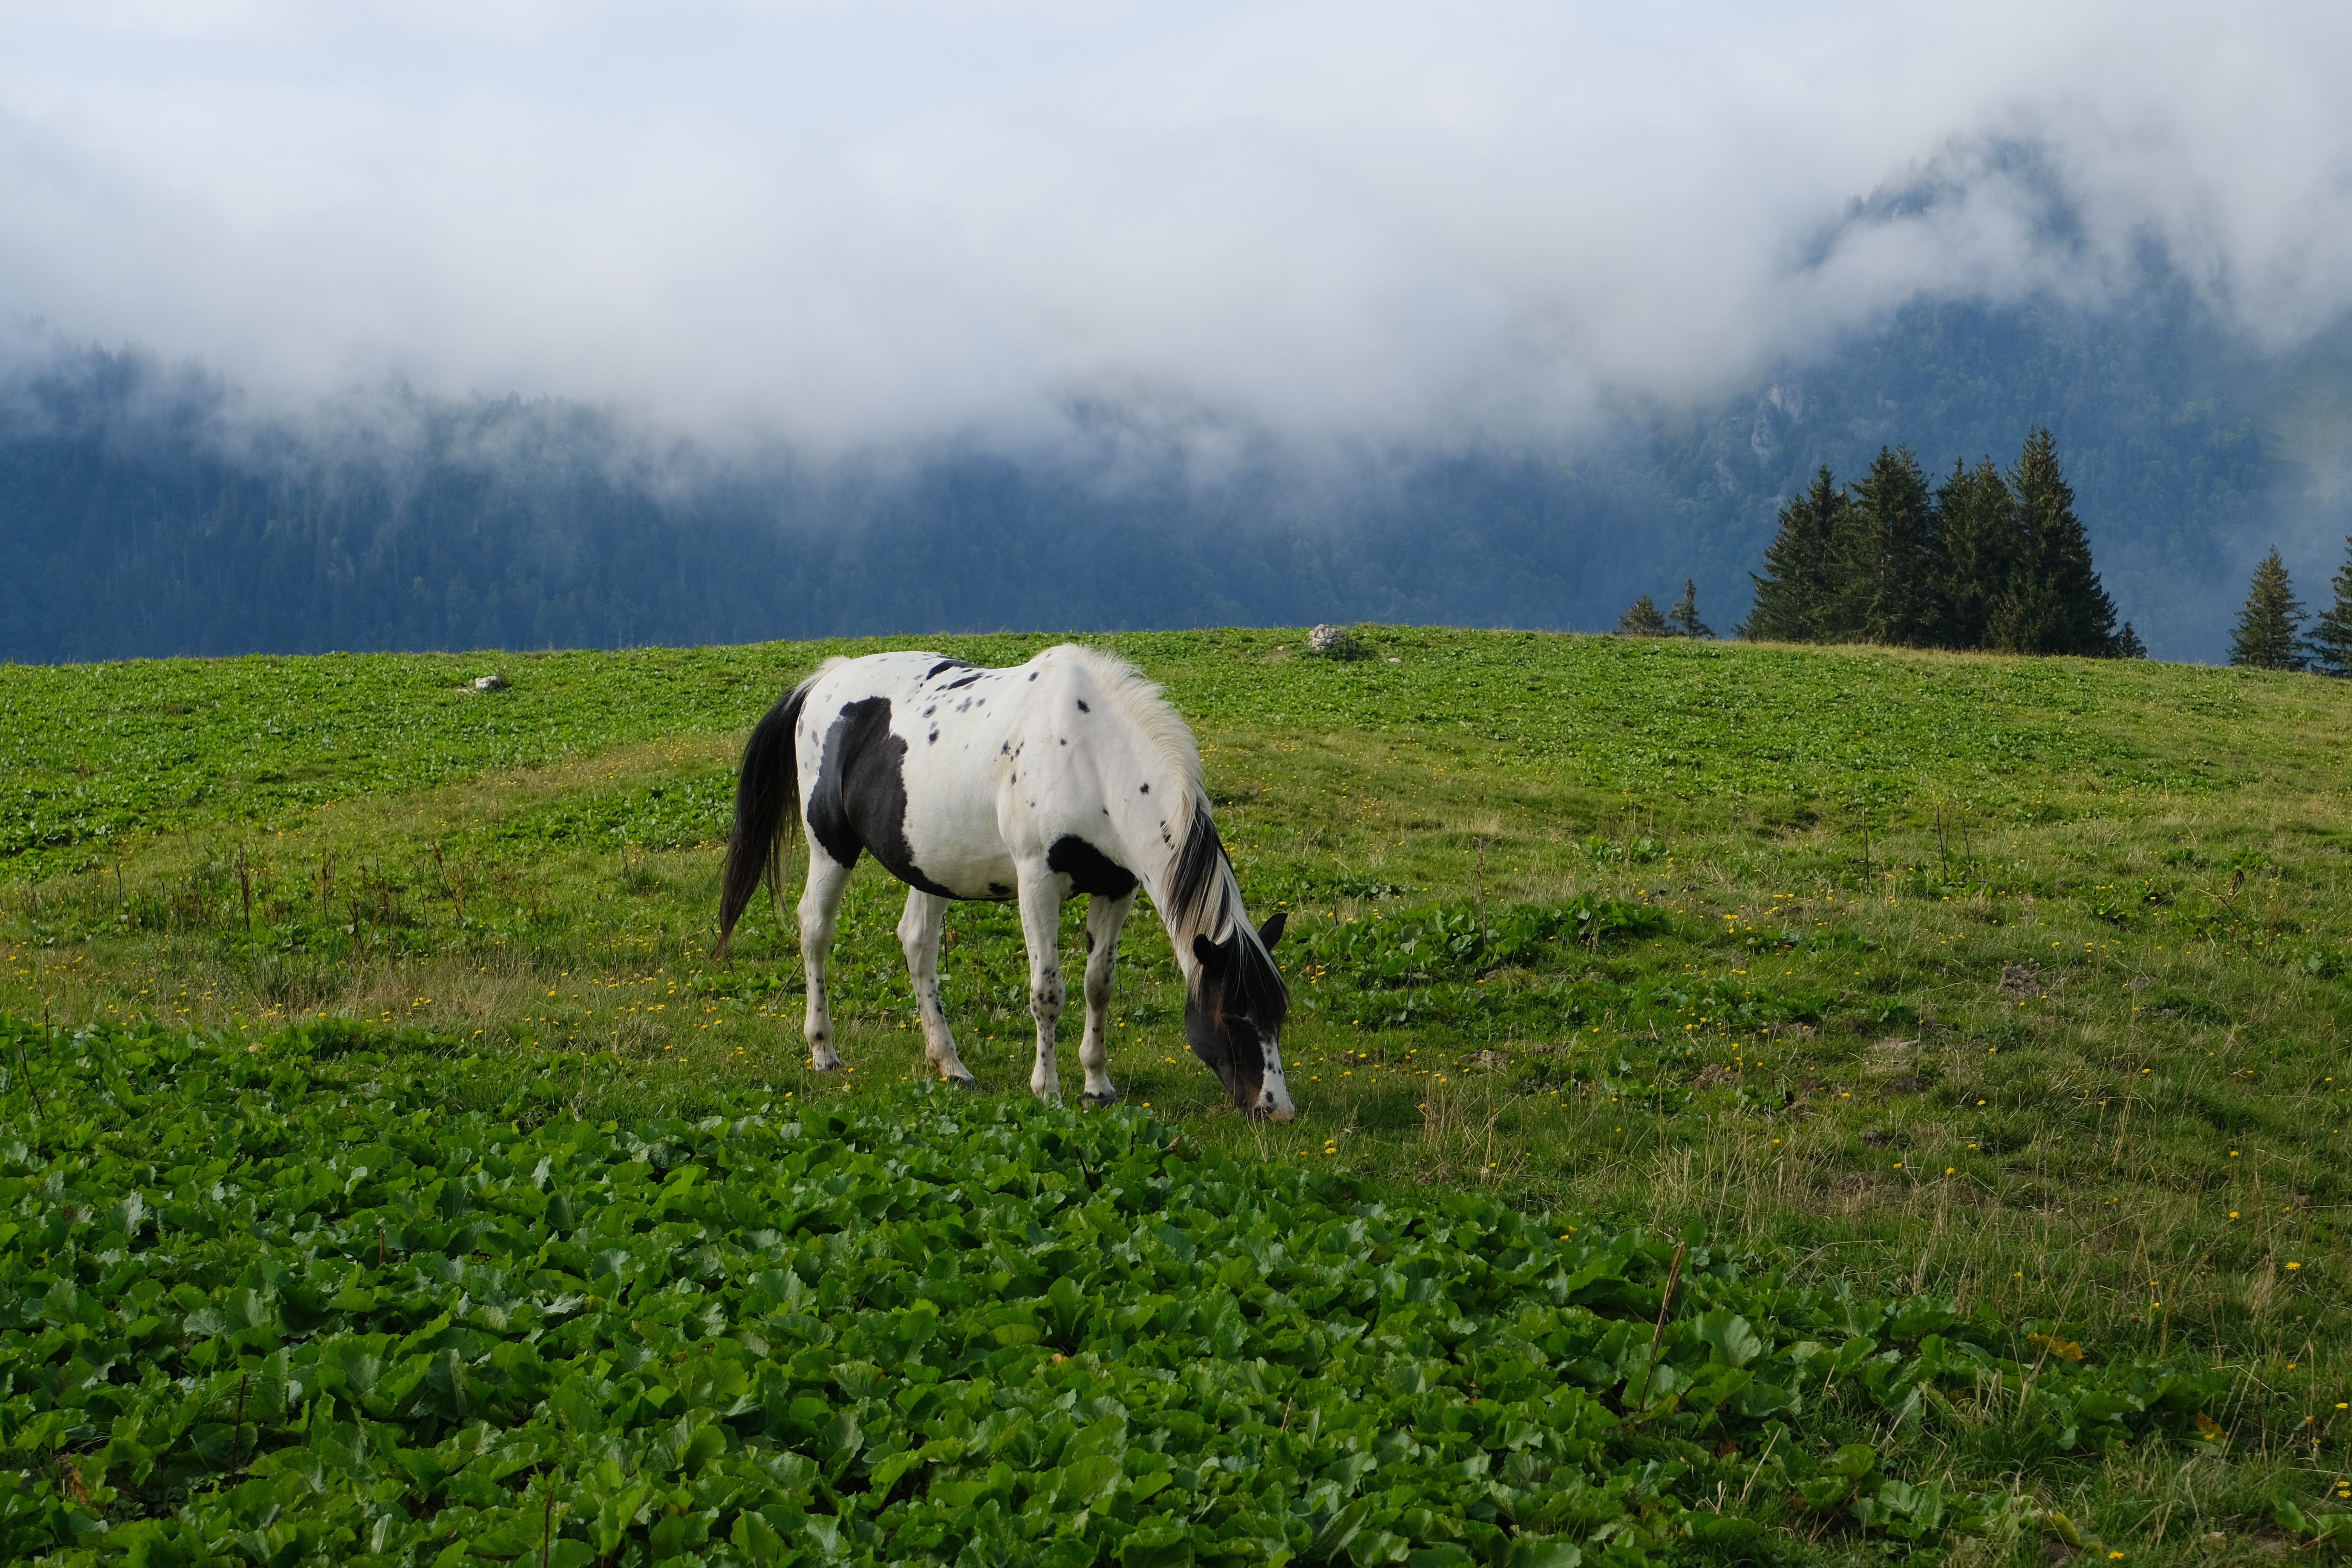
(853, 732)
(934, 738)
(1033, 675)
(948, 664)
(1147, 789)
(1088, 869)
(999, 890)
(1082, 705)
(967, 681)
(860, 799)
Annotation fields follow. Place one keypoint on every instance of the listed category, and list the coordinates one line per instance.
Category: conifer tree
(2269, 631)
(1684, 617)
(1642, 620)
(2128, 643)
(2054, 602)
(2331, 635)
(1886, 556)
(1983, 543)
(1797, 584)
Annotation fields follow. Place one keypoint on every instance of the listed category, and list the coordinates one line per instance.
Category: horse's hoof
(1098, 1101)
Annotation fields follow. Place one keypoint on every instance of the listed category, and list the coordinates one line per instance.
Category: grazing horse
(1068, 775)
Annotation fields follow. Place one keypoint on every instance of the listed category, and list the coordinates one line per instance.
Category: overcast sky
(875, 222)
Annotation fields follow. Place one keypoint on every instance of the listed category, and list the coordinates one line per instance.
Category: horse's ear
(1206, 952)
(1271, 933)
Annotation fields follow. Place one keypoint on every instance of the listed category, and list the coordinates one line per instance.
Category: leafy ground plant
(288, 1302)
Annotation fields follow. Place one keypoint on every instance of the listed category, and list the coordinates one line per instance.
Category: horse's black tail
(765, 793)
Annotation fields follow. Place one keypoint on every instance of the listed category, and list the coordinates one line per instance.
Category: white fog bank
(854, 224)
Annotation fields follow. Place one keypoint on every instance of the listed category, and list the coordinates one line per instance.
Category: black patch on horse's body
(967, 681)
(999, 890)
(950, 664)
(1082, 705)
(860, 801)
(1090, 871)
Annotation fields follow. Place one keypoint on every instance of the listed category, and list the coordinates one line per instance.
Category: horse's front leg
(918, 936)
(1041, 928)
(820, 903)
(1104, 918)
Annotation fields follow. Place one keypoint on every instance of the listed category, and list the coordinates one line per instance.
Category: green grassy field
(2018, 984)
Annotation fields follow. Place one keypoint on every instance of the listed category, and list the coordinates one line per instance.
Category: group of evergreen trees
(2269, 633)
(1985, 560)
(1645, 620)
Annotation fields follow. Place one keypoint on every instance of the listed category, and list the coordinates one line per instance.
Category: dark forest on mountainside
(142, 513)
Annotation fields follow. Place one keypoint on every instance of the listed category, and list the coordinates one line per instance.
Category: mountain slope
(142, 513)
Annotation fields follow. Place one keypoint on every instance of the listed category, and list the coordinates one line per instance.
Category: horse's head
(1233, 1011)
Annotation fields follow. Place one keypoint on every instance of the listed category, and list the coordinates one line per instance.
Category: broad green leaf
(1528, 1553)
(1731, 1336)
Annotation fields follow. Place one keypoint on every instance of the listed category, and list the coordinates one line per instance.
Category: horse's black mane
(1200, 881)
(1200, 899)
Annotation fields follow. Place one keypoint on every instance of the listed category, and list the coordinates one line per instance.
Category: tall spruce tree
(1887, 558)
(1684, 617)
(2054, 602)
(1983, 542)
(2269, 631)
(2331, 635)
(1797, 584)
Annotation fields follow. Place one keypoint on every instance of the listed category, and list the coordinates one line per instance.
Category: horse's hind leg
(919, 935)
(1041, 927)
(1104, 918)
(820, 902)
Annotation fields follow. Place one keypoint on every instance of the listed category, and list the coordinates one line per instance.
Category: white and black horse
(1068, 775)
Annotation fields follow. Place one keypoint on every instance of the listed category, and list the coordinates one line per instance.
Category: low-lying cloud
(851, 225)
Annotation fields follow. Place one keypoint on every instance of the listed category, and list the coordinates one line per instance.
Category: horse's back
(901, 756)
(955, 776)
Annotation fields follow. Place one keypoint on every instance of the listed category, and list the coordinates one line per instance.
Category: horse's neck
(1136, 820)
(1139, 821)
